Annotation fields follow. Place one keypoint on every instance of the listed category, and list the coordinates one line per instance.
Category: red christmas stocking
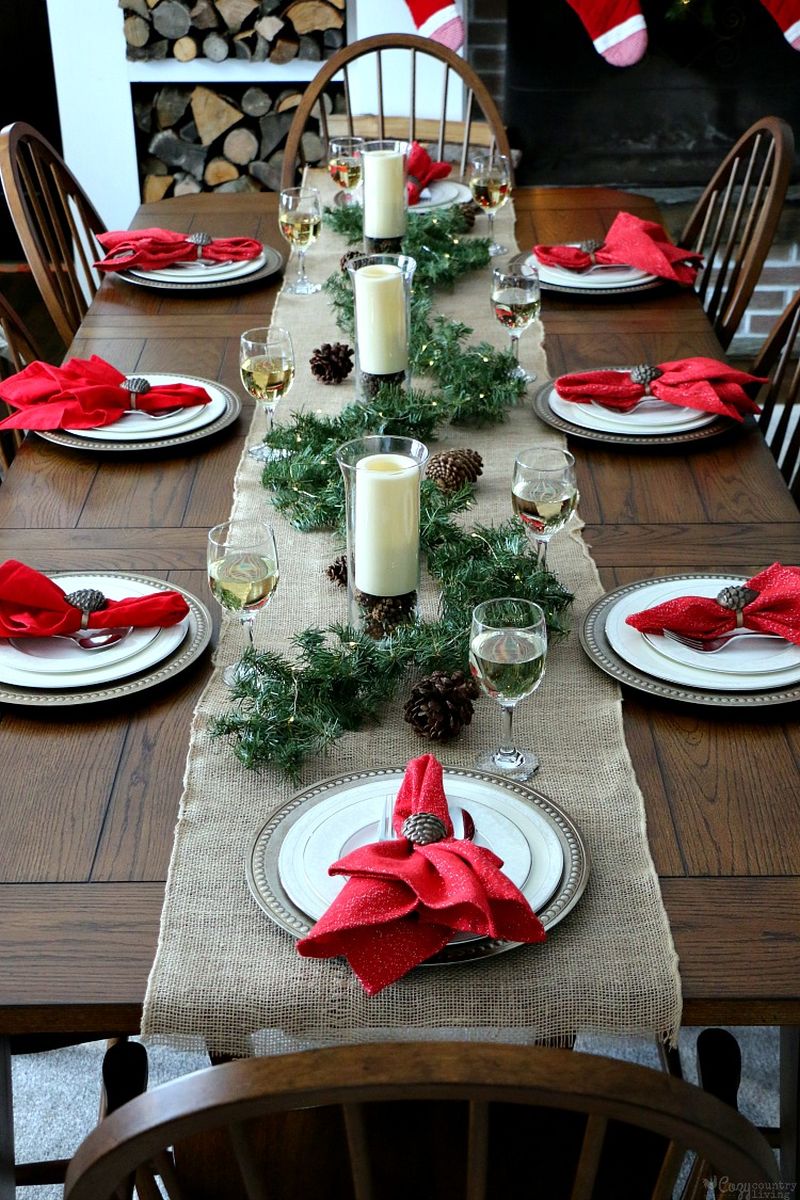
(438, 20)
(787, 14)
(617, 28)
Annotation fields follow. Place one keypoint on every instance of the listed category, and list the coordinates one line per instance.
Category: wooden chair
(55, 223)
(403, 52)
(22, 349)
(780, 411)
(429, 1119)
(734, 221)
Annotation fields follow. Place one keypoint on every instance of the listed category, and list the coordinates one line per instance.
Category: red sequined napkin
(422, 170)
(32, 605)
(150, 249)
(775, 608)
(83, 394)
(630, 242)
(403, 902)
(702, 383)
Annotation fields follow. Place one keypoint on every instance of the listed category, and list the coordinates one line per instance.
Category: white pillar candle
(384, 194)
(386, 524)
(381, 334)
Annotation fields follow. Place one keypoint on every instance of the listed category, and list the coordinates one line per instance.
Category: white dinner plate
(154, 648)
(741, 656)
(195, 271)
(600, 280)
(650, 418)
(137, 427)
(441, 194)
(58, 656)
(703, 670)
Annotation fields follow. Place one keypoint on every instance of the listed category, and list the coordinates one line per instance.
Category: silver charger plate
(597, 291)
(264, 879)
(233, 406)
(600, 651)
(541, 406)
(273, 262)
(198, 635)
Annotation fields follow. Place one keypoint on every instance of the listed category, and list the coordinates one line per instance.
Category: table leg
(790, 1082)
(7, 1182)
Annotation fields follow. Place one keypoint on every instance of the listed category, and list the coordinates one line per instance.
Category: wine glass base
(302, 287)
(496, 249)
(264, 453)
(236, 673)
(525, 376)
(522, 766)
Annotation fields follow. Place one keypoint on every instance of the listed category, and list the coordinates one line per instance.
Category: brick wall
(486, 44)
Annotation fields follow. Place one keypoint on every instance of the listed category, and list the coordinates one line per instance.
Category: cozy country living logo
(725, 1187)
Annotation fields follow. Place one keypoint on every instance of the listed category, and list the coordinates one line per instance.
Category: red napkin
(83, 394)
(775, 609)
(32, 605)
(403, 902)
(422, 170)
(630, 242)
(701, 383)
(150, 249)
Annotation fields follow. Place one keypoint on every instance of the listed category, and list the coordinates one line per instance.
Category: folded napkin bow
(404, 900)
(630, 242)
(83, 394)
(422, 170)
(769, 602)
(32, 605)
(701, 383)
(150, 249)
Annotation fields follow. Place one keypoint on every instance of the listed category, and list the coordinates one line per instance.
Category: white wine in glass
(507, 655)
(242, 574)
(266, 367)
(489, 179)
(345, 167)
(516, 303)
(544, 492)
(300, 222)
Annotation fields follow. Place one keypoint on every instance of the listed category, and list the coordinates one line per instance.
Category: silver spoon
(96, 639)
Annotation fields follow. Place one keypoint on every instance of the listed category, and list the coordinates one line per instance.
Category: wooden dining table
(90, 794)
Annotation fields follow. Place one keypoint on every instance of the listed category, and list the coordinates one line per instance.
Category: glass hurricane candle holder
(384, 173)
(382, 477)
(382, 294)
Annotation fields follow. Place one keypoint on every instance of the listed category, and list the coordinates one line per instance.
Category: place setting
(164, 259)
(88, 404)
(75, 638)
(646, 405)
(710, 639)
(634, 256)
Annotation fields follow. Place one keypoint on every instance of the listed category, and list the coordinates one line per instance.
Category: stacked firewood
(254, 30)
(195, 138)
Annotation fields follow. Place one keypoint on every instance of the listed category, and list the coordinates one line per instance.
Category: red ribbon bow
(32, 605)
(422, 170)
(149, 249)
(775, 609)
(630, 242)
(403, 902)
(83, 394)
(701, 383)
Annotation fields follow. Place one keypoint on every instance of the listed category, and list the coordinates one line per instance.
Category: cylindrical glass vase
(385, 171)
(382, 304)
(382, 476)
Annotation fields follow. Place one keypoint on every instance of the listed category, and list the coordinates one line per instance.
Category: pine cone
(332, 363)
(470, 211)
(451, 469)
(736, 597)
(383, 614)
(337, 571)
(441, 705)
(347, 258)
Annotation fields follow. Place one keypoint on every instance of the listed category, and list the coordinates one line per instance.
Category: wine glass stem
(515, 346)
(248, 622)
(507, 751)
(490, 215)
(301, 266)
(269, 410)
(541, 551)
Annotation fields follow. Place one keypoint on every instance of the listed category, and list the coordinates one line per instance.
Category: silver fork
(712, 645)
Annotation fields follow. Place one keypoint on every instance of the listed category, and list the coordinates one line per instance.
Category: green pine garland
(287, 709)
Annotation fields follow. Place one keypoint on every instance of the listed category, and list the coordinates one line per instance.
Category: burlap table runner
(227, 976)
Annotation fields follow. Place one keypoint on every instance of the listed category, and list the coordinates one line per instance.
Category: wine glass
(242, 575)
(300, 220)
(266, 366)
(544, 492)
(344, 166)
(507, 652)
(489, 179)
(516, 302)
